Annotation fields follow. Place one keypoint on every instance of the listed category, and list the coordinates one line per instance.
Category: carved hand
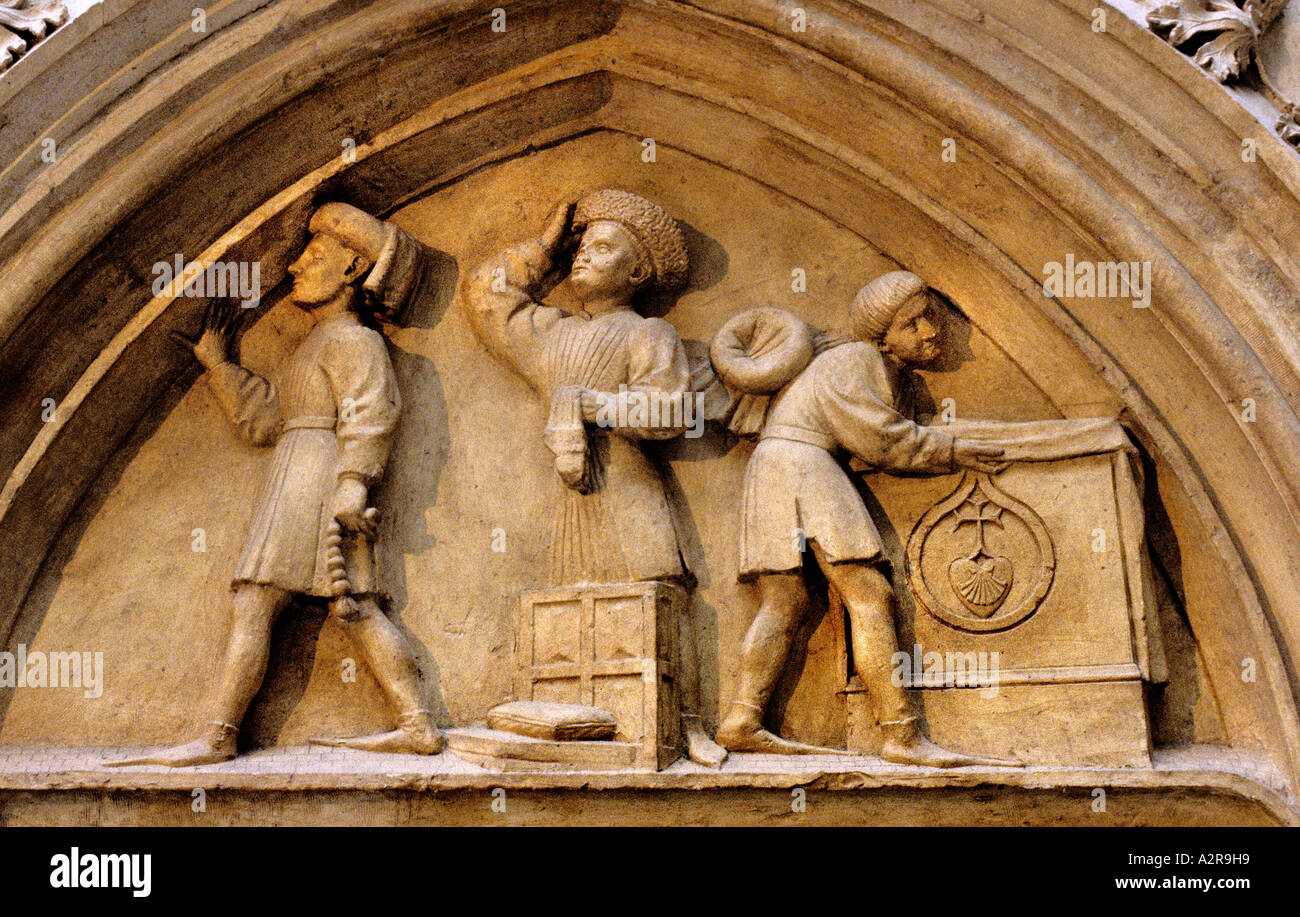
(977, 456)
(349, 507)
(213, 344)
(590, 405)
(557, 236)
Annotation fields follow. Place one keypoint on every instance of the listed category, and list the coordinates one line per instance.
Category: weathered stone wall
(818, 149)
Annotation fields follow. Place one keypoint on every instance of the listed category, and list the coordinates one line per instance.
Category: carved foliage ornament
(980, 560)
(1221, 35)
(1224, 37)
(25, 22)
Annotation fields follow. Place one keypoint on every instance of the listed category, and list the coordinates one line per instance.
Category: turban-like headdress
(396, 259)
(879, 301)
(657, 232)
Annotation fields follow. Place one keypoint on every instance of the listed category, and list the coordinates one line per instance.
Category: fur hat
(396, 259)
(657, 232)
(879, 301)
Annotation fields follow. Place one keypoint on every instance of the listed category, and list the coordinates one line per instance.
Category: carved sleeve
(499, 302)
(248, 401)
(367, 399)
(874, 432)
(654, 406)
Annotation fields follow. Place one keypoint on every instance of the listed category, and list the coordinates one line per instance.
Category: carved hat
(657, 232)
(396, 259)
(879, 301)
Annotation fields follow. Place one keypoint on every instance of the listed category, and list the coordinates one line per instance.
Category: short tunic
(623, 531)
(334, 415)
(795, 490)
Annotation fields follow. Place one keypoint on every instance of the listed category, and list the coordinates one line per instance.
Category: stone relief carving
(596, 664)
(1226, 37)
(582, 670)
(1221, 35)
(615, 380)
(812, 396)
(606, 666)
(332, 419)
(25, 22)
(605, 531)
(979, 575)
(1075, 642)
(856, 396)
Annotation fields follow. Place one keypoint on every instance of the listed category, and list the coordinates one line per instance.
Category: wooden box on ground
(611, 646)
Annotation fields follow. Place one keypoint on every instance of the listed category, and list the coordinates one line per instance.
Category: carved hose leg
(783, 603)
(869, 598)
(216, 744)
(869, 601)
(390, 659)
(387, 654)
(253, 612)
(699, 747)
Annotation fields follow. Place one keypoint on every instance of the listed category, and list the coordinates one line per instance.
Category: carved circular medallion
(980, 560)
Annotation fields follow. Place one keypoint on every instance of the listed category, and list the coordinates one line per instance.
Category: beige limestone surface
(1100, 146)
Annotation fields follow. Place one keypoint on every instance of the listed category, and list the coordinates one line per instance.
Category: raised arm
(500, 296)
(249, 402)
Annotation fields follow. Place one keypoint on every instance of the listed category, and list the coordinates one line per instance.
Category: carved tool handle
(335, 560)
(335, 563)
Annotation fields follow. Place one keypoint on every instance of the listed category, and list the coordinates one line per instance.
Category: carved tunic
(333, 415)
(623, 530)
(848, 398)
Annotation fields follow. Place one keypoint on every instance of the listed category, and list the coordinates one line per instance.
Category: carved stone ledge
(25, 22)
(1206, 785)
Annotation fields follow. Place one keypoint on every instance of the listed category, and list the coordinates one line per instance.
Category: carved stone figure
(332, 421)
(613, 523)
(1110, 225)
(854, 396)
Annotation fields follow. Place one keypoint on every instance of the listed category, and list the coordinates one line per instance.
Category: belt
(798, 435)
(310, 423)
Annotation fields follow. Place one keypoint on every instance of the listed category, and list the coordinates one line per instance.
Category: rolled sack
(755, 354)
(758, 351)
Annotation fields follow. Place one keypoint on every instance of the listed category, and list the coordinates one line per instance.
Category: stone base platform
(1199, 785)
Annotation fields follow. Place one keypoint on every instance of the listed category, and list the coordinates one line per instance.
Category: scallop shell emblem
(983, 582)
(980, 559)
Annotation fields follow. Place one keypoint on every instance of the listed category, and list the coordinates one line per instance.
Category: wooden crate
(612, 646)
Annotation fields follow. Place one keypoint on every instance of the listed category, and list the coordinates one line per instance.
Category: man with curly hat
(613, 523)
(855, 397)
(332, 419)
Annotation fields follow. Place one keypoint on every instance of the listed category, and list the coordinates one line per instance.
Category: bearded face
(607, 263)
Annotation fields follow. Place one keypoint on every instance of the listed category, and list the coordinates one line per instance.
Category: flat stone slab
(503, 751)
(49, 785)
